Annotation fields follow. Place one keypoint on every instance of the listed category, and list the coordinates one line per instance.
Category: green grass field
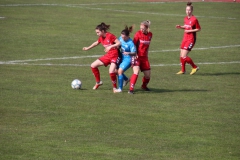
(183, 117)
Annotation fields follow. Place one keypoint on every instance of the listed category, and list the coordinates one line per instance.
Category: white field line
(151, 13)
(104, 9)
(217, 47)
(153, 65)
(49, 59)
(96, 56)
(200, 63)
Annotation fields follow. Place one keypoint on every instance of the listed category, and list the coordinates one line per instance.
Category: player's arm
(180, 27)
(196, 27)
(132, 51)
(136, 39)
(91, 46)
(136, 42)
(192, 30)
(116, 44)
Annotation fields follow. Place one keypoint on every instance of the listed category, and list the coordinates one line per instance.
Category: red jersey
(108, 41)
(142, 42)
(189, 24)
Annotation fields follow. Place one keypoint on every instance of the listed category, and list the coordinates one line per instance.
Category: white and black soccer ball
(76, 84)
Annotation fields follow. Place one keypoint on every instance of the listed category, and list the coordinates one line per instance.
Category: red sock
(145, 82)
(133, 81)
(183, 63)
(189, 61)
(114, 79)
(96, 74)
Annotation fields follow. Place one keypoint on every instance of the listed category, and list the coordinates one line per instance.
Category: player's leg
(190, 45)
(146, 79)
(113, 75)
(125, 80)
(133, 79)
(145, 68)
(122, 68)
(120, 80)
(96, 73)
(195, 68)
(183, 55)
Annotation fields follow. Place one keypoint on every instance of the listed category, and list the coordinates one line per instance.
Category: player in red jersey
(111, 44)
(191, 26)
(142, 39)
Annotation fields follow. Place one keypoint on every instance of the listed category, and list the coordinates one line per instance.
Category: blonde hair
(147, 24)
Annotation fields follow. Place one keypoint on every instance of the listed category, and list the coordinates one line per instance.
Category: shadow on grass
(218, 74)
(155, 90)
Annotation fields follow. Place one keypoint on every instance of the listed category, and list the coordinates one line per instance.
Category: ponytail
(127, 30)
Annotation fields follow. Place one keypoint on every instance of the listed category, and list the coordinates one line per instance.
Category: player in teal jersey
(128, 50)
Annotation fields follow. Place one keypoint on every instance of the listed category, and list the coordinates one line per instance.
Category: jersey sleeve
(197, 25)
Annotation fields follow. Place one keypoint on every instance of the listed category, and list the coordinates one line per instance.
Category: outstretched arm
(91, 46)
(180, 27)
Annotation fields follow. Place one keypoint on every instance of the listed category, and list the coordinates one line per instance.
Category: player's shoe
(194, 70)
(180, 72)
(145, 88)
(125, 82)
(130, 92)
(97, 85)
(117, 90)
(114, 89)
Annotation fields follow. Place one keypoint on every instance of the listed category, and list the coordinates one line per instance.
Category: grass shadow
(156, 90)
(218, 74)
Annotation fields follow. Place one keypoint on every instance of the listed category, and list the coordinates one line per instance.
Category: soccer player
(191, 26)
(110, 44)
(142, 39)
(128, 50)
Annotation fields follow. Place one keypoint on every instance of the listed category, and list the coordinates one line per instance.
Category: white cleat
(97, 85)
(117, 90)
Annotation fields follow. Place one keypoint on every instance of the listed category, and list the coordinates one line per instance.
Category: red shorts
(109, 58)
(143, 63)
(187, 45)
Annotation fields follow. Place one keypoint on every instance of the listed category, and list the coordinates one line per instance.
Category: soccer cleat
(117, 90)
(97, 85)
(180, 72)
(125, 82)
(130, 92)
(194, 70)
(114, 89)
(145, 88)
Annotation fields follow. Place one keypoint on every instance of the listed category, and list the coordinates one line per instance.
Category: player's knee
(93, 65)
(120, 71)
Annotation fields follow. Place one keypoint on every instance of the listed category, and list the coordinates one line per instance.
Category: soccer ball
(76, 84)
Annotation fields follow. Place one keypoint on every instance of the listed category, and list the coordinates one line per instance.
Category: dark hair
(190, 5)
(127, 30)
(103, 27)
